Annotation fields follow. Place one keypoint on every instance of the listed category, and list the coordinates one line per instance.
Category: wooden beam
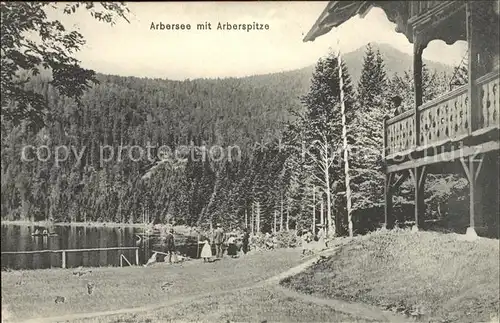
(388, 214)
(479, 166)
(473, 102)
(446, 156)
(400, 181)
(25, 252)
(417, 79)
(421, 179)
(472, 172)
(472, 186)
(434, 19)
(466, 168)
(418, 176)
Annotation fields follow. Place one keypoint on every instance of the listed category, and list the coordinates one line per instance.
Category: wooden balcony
(420, 8)
(445, 120)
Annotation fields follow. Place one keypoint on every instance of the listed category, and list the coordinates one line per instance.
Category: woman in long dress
(321, 243)
(206, 252)
(231, 248)
(306, 239)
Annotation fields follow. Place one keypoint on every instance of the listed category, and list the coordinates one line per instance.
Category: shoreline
(181, 229)
(78, 224)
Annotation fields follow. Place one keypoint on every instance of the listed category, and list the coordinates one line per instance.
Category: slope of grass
(428, 276)
(252, 305)
(32, 293)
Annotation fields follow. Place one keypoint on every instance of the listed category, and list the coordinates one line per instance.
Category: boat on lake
(44, 233)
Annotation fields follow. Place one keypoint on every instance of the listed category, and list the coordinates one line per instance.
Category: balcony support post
(418, 175)
(389, 216)
(419, 43)
(472, 167)
(473, 47)
(390, 187)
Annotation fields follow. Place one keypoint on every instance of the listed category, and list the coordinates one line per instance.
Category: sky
(136, 50)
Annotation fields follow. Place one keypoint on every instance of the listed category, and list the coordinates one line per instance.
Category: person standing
(396, 101)
(306, 239)
(321, 244)
(219, 240)
(206, 252)
(232, 249)
(245, 241)
(170, 245)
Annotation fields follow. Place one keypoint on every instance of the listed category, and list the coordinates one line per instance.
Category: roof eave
(311, 35)
(315, 31)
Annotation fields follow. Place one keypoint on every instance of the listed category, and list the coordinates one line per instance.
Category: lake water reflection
(19, 238)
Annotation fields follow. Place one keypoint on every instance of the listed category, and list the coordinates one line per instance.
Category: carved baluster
(444, 120)
(389, 140)
(456, 115)
(463, 109)
(411, 135)
(439, 125)
(484, 98)
(432, 126)
(424, 128)
(492, 104)
(394, 137)
(448, 119)
(496, 102)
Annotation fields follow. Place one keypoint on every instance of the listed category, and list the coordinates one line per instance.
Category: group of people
(234, 242)
(314, 242)
(238, 242)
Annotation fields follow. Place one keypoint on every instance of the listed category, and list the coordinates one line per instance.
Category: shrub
(283, 239)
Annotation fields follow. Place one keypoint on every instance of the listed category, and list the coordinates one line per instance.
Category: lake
(19, 238)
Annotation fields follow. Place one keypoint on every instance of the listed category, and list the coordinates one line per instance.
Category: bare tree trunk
(275, 220)
(314, 211)
(281, 211)
(253, 218)
(331, 224)
(346, 153)
(288, 218)
(322, 215)
(258, 216)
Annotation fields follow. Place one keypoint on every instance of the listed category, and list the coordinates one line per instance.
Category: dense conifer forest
(254, 128)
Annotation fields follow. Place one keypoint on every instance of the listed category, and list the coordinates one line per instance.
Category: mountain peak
(395, 61)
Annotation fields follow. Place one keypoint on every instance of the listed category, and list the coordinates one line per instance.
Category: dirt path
(80, 316)
(355, 309)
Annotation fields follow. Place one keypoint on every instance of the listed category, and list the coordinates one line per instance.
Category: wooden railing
(489, 96)
(65, 251)
(445, 119)
(400, 133)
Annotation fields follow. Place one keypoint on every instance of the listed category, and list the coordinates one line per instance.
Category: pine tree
(367, 172)
(433, 85)
(460, 75)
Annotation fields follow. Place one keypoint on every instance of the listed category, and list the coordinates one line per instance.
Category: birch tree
(322, 123)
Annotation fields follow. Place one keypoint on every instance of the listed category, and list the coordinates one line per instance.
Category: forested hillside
(395, 62)
(104, 179)
(131, 111)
